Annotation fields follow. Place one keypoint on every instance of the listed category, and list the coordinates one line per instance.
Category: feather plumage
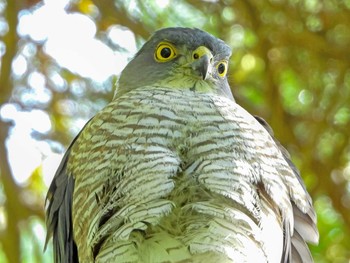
(166, 174)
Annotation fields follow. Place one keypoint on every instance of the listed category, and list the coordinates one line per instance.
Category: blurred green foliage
(290, 65)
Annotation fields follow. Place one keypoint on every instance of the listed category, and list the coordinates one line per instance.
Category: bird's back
(180, 176)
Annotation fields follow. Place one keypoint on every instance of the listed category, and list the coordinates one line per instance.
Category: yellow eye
(165, 52)
(222, 68)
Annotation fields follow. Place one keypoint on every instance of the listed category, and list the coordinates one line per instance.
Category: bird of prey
(174, 170)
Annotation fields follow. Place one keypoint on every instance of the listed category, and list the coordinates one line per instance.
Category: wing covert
(305, 229)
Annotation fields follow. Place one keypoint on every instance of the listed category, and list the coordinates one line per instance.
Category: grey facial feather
(143, 70)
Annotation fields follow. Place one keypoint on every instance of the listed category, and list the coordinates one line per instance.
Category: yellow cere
(201, 51)
(165, 52)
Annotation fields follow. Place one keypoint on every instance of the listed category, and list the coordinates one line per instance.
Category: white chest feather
(175, 176)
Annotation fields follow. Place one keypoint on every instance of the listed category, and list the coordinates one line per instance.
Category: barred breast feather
(166, 175)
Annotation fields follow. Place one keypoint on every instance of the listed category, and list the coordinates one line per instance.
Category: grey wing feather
(300, 252)
(59, 213)
(305, 229)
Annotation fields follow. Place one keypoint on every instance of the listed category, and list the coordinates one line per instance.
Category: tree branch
(118, 15)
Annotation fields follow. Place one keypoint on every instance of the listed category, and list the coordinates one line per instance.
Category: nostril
(211, 60)
(195, 56)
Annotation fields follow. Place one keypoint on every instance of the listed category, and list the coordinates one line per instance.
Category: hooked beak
(201, 61)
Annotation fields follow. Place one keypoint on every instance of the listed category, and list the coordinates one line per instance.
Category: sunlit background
(60, 61)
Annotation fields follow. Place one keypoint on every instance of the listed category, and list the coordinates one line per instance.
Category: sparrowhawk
(174, 170)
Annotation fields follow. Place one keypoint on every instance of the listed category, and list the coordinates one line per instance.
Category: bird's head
(179, 58)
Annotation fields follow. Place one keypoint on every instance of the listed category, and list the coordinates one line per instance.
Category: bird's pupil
(221, 68)
(165, 52)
